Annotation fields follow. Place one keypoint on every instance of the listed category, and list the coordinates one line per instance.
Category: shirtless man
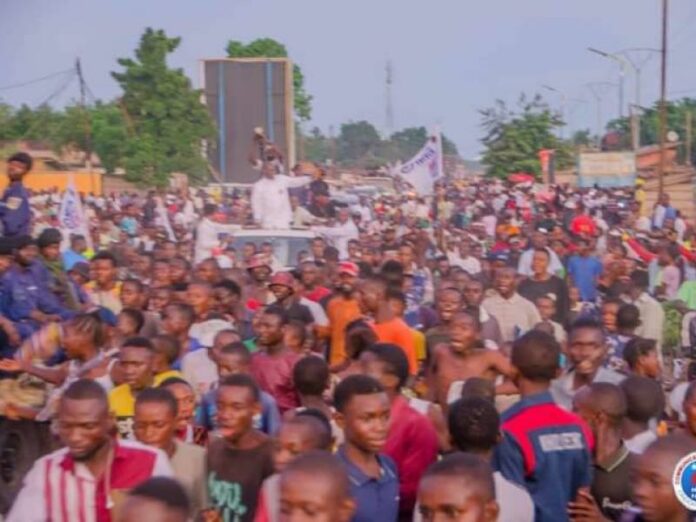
(464, 357)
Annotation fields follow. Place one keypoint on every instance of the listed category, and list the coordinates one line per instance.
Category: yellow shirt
(122, 403)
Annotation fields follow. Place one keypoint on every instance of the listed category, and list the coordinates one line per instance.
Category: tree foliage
(358, 144)
(270, 48)
(167, 120)
(677, 112)
(514, 137)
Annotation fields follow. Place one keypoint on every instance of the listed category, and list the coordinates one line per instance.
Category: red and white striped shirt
(60, 489)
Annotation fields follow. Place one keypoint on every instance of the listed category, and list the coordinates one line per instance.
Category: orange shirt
(396, 331)
(340, 312)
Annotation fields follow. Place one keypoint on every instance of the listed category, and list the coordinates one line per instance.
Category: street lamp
(563, 105)
(622, 73)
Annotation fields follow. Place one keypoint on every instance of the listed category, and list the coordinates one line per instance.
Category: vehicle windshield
(285, 249)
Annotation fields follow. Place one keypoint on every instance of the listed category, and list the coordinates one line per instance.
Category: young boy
(167, 349)
(316, 483)
(294, 336)
(474, 426)
(544, 448)
(546, 305)
(130, 322)
(462, 358)
(363, 411)
(653, 480)
(448, 301)
(297, 436)
(640, 356)
(272, 366)
(645, 402)
(627, 321)
(412, 442)
(242, 457)
(459, 487)
(312, 378)
(234, 359)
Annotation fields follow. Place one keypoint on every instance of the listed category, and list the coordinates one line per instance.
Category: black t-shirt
(235, 477)
(532, 290)
(611, 485)
(295, 312)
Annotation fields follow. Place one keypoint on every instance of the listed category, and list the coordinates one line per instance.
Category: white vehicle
(287, 244)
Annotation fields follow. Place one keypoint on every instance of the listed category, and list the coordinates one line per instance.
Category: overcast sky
(450, 57)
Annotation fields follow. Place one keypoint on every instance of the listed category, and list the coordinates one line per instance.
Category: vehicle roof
(264, 232)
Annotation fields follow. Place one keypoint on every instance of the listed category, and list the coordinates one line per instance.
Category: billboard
(607, 169)
(242, 94)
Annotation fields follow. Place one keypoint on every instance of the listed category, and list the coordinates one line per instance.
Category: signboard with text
(606, 169)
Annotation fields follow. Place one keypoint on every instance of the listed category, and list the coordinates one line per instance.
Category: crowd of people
(493, 352)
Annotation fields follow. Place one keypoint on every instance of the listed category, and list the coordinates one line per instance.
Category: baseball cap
(282, 279)
(81, 269)
(347, 267)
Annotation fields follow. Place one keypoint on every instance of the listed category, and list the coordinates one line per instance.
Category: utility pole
(563, 108)
(663, 99)
(87, 119)
(688, 136)
(389, 109)
(596, 89)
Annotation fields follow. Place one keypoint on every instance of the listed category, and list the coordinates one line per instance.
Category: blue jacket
(548, 451)
(25, 291)
(15, 213)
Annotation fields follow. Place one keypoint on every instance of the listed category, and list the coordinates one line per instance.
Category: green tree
(514, 138)
(167, 119)
(410, 140)
(677, 113)
(270, 48)
(357, 141)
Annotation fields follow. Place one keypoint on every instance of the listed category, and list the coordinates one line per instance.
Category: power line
(37, 80)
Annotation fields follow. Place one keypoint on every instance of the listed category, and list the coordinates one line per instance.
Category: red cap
(346, 267)
(282, 279)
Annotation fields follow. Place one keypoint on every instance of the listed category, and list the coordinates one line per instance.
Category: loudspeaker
(242, 94)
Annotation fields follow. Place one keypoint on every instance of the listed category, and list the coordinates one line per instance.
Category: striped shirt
(60, 489)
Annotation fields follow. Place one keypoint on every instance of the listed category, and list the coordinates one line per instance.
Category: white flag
(425, 168)
(71, 217)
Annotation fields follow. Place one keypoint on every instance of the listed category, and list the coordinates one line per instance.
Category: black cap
(81, 268)
(49, 236)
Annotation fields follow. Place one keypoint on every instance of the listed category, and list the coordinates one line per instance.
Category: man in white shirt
(463, 259)
(525, 264)
(270, 201)
(652, 315)
(208, 234)
(344, 231)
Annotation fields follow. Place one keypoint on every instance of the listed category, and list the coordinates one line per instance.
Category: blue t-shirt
(376, 499)
(584, 272)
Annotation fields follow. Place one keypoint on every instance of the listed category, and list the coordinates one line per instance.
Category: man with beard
(342, 309)
(88, 478)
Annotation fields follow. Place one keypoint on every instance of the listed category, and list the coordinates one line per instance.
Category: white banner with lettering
(425, 168)
(71, 217)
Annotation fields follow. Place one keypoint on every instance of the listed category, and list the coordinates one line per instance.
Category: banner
(425, 168)
(71, 218)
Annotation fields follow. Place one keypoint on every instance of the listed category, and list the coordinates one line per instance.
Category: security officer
(27, 301)
(15, 213)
